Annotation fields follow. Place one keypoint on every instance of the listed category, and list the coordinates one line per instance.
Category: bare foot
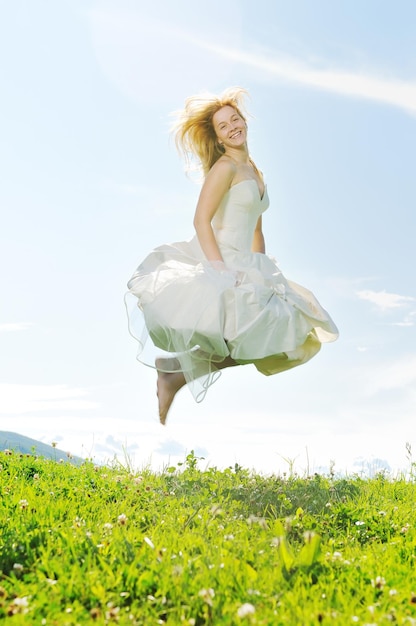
(168, 384)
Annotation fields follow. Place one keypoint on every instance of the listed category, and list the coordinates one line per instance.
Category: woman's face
(230, 128)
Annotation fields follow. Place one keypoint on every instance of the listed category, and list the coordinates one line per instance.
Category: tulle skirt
(193, 316)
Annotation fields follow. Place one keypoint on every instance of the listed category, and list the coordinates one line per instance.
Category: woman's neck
(240, 156)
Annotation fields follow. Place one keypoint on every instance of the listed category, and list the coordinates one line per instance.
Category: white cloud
(132, 46)
(409, 320)
(152, 53)
(384, 300)
(13, 327)
(353, 83)
(255, 439)
(23, 399)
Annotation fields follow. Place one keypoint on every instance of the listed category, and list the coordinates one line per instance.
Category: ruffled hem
(182, 310)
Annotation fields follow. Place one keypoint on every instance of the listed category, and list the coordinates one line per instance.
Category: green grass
(100, 545)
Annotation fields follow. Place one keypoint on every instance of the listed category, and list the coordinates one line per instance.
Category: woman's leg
(169, 382)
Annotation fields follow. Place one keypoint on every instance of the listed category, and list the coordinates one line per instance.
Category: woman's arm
(258, 244)
(216, 185)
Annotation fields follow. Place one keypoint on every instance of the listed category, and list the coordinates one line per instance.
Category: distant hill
(26, 445)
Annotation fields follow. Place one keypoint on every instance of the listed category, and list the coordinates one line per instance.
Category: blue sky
(91, 182)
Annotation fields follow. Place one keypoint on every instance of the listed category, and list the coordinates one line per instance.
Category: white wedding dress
(198, 316)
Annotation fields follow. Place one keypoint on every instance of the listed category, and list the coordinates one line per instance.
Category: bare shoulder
(217, 182)
(223, 170)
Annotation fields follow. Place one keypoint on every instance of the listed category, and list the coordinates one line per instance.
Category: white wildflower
(122, 519)
(207, 595)
(21, 602)
(19, 605)
(379, 582)
(246, 609)
(216, 510)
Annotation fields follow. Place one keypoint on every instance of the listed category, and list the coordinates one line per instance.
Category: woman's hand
(235, 275)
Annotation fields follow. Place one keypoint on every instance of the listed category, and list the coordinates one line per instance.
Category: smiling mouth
(235, 135)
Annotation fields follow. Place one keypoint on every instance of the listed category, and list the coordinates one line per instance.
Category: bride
(218, 300)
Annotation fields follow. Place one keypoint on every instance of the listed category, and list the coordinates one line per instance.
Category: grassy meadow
(191, 546)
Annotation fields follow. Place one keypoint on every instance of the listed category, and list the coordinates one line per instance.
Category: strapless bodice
(237, 216)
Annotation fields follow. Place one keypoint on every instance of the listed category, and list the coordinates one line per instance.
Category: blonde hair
(194, 132)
